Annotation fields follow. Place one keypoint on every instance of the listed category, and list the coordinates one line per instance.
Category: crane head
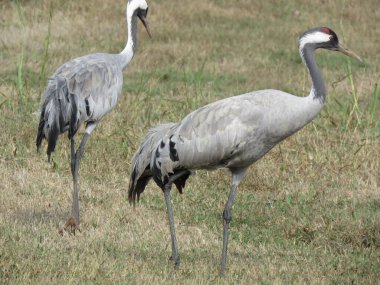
(142, 14)
(325, 38)
(335, 45)
(139, 8)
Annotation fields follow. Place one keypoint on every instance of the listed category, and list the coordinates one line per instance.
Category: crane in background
(82, 91)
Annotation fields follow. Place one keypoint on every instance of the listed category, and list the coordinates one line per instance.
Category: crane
(230, 133)
(82, 91)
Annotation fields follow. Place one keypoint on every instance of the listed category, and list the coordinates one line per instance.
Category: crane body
(236, 131)
(230, 133)
(82, 91)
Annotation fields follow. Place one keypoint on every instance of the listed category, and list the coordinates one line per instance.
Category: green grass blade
(374, 108)
(46, 45)
(21, 57)
(355, 112)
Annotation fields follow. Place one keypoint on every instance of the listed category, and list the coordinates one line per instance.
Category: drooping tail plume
(59, 113)
(140, 166)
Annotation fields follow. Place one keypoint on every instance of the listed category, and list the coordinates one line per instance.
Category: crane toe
(175, 260)
(71, 226)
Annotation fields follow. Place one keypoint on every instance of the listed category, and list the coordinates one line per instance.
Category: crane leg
(175, 254)
(73, 221)
(72, 141)
(227, 215)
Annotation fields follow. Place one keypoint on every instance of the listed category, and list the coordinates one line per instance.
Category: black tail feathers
(59, 113)
(136, 188)
(40, 133)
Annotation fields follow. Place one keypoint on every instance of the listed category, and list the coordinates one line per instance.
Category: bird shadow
(28, 216)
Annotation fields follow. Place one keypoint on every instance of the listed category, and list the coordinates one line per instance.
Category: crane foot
(175, 261)
(71, 226)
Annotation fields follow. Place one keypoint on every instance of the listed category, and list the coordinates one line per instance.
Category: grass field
(307, 213)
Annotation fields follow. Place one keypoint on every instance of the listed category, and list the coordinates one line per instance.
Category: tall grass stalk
(355, 112)
(46, 45)
(197, 81)
(21, 57)
(373, 108)
(20, 75)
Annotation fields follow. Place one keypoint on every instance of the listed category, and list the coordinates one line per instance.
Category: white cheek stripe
(316, 37)
(135, 4)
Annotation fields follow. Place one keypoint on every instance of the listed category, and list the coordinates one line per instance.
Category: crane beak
(341, 48)
(142, 17)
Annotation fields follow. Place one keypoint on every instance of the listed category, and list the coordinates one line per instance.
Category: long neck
(318, 89)
(303, 109)
(129, 50)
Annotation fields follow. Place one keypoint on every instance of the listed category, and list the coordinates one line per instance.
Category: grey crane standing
(84, 90)
(231, 133)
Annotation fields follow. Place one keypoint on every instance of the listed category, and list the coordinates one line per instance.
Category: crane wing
(211, 137)
(96, 78)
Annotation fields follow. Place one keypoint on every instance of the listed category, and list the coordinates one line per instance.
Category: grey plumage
(140, 165)
(235, 132)
(82, 91)
(225, 134)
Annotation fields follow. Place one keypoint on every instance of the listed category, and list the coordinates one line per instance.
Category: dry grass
(309, 212)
